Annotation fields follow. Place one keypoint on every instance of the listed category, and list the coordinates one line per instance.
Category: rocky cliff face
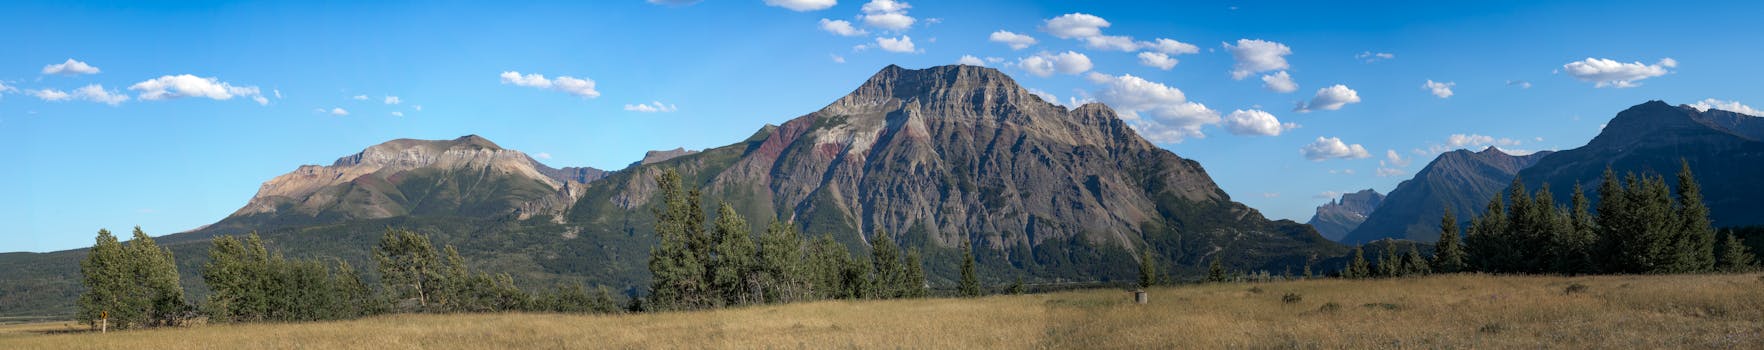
(1460, 181)
(1336, 218)
(949, 153)
(465, 176)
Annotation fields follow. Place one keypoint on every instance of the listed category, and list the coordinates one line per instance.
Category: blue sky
(150, 146)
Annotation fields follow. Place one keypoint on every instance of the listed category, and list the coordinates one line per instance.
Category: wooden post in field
(103, 321)
(1140, 297)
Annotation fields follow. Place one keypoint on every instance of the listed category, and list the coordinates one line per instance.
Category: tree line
(1637, 227)
(136, 285)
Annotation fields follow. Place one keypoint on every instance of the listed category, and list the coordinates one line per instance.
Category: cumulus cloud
(1014, 40)
(1111, 42)
(71, 67)
(1330, 98)
(1255, 56)
(841, 27)
(185, 85)
(1370, 56)
(1609, 73)
(652, 107)
(802, 5)
(392, 100)
(1332, 148)
(1443, 90)
(887, 14)
(1279, 82)
(971, 60)
(97, 93)
(836, 58)
(51, 95)
(1730, 106)
(1046, 64)
(1159, 112)
(1075, 25)
(1255, 123)
(581, 87)
(1157, 60)
(1391, 156)
(339, 111)
(903, 44)
(1170, 47)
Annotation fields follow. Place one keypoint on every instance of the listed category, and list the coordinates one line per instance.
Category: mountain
(937, 156)
(1336, 218)
(1461, 180)
(1723, 148)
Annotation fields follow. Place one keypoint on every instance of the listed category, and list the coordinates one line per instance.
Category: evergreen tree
(826, 275)
(1487, 242)
(156, 274)
(1448, 257)
(890, 271)
(1735, 256)
(110, 288)
(409, 268)
(1357, 267)
(1414, 264)
(732, 264)
(915, 286)
(1695, 242)
(970, 285)
(1575, 245)
(676, 266)
(1216, 271)
(1389, 264)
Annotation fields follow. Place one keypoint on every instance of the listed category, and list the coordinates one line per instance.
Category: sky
(169, 115)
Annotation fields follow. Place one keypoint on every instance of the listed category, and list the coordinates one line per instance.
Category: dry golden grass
(1460, 311)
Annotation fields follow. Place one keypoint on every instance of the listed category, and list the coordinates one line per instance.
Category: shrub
(1575, 287)
(1292, 298)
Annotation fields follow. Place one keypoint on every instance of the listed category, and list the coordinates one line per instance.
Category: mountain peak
(1492, 150)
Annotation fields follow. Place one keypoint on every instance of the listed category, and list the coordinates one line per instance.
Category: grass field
(1459, 311)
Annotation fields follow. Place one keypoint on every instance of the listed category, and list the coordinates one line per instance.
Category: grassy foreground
(1459, 311)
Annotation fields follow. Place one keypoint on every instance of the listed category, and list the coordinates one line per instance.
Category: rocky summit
(1335, 219)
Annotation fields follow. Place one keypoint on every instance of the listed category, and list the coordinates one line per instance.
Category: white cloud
(51, 95)
(1111, 42)
(1730, 106)
(887, 14)
(1331, 147)
(1157, 60)
(1270, 195)
(1608, 73)
(71, 67)
(581, 87)
(903, 44)
(1397, 159)
(971, 60)
(1046, 64)
(1170, 47)
(1369, 56)
(398, 114)
(185, 85)
(1075, 25)
(542, 155)
(339, 111)
(1519, 83)
(837, 58)
(1443, 90)
(652, 107)
(392, 100)
(418, 108)
(1014, 40)
(841, 27)
(1471, 142)
(1330, 98)
(360, 97)
(97, 93)
(1388, 172)
(1255, 56)
(802, 5)
(1255, 123)
(1279, 82)
(1168, 115)
(278, 93)
(1328, 194)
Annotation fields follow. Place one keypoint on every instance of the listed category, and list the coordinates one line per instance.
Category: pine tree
(1614, 226)
(1389, 264)
(1487, 242)
(732, 258)
(1448, 257)
(1357, 267)
(890, 278)
(1695, 241)
(827, 261)
(676, 265)
(970, 285)
(1735, 256)
(1575, 245)
(1148, 268)
(782, 268)
(1216, 271)
(915, 276)
(1414, 264)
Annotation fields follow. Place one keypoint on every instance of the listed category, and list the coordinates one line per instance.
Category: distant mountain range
(937, 156)
(1725, 151)
(1336, 218)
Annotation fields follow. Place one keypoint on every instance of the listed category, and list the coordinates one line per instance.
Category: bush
(1329, 307)
(1575, 287)
(1292, 298)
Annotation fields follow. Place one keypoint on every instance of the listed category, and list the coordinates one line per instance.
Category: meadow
(1720, 311)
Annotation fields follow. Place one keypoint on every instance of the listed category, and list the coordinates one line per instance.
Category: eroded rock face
(404, 176)
(1336, 218)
